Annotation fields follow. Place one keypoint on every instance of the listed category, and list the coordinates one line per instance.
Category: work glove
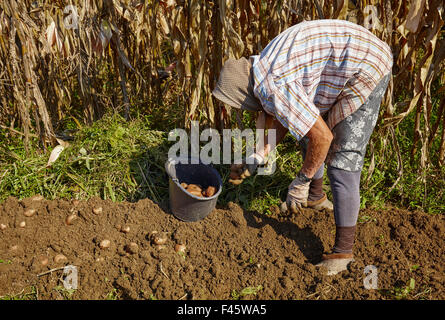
(238, 172)
(297, 194)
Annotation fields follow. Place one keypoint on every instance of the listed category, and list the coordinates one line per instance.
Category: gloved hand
(238, 172)
(297, 195)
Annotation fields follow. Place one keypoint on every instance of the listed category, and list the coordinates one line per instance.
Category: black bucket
(186, 206)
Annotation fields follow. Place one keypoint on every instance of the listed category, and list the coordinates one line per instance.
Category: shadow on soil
(309, 244)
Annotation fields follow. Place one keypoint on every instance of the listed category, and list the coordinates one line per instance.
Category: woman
(323, 81)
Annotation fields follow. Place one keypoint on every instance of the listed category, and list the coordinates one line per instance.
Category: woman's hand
(297, 195)
(239, 172)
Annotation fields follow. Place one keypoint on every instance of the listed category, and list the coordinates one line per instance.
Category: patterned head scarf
(235, 85)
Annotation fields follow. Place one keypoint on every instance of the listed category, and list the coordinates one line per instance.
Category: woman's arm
(265, 121)
(320, 138)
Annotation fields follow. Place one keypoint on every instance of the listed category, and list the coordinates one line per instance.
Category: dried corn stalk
(65, 58)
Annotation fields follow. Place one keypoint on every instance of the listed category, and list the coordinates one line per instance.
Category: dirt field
(230, 254)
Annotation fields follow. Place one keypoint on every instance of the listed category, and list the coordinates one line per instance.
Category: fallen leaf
(54, 155)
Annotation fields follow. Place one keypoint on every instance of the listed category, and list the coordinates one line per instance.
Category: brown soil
(225, 253)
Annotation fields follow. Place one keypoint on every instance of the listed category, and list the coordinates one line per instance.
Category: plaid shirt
(319, 66)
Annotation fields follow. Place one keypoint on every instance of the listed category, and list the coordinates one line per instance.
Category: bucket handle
(170, 169)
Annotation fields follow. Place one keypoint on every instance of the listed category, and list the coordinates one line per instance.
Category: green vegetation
(30, 295)
(113, 159)
(112, 295)
(119, 160)
(5, 261)
(236, 295)
(66, 294)
(403, 292)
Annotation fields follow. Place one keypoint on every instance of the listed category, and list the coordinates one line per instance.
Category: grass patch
(403, 292)
(236, 295)
(113, 159)
(30, 294)
(119, 160)
(66, 294)
(112, 295)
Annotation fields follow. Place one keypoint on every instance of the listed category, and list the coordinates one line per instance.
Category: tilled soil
(230, 254)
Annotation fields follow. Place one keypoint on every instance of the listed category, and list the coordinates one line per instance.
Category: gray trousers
(346, 156)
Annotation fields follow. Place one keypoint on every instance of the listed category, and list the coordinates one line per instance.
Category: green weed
(112, 295)
(124, 160)
(401, 292)
(31, 295)
(67, 294)
(236, 295)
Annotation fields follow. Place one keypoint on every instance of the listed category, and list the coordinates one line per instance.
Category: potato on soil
(43, 260)
(158, 238)
(97, 210)
(104, 244)
(125, 229)
(29, 212)
(180, 248)
(70, 219)
(59, 258)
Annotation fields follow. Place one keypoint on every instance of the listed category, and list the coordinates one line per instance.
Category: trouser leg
(345, 162)
(345, 187)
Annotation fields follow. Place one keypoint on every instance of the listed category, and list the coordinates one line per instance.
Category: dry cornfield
(57, 59)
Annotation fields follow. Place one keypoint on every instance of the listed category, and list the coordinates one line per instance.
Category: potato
(196, 193)
(43, 260)
(184, 185)
(236, 181)
(125, 229)
(210, 191)
(180, 248)
(97, 210)
(158, 238)
(104, 244)
(29, 212)
(59, 258)
(70, 219)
